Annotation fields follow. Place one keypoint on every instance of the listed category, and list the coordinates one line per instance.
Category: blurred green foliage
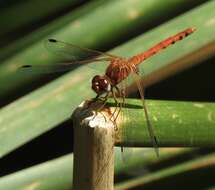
(33, 105)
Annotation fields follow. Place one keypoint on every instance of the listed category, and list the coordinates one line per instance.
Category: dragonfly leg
(122, 94)
(103, 101)
(120, 104)
(115, 110)
(116, 102)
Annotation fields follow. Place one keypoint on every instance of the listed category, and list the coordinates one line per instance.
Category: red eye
(103, 84)
(100, 84)
(96, 78)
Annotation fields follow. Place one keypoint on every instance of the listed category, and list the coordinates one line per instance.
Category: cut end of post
(98, 120)
(94, 115)
(93, 147)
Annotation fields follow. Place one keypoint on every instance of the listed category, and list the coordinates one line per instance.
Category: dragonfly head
(101, 84)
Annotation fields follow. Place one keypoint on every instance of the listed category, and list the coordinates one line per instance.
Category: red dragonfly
(119, 69)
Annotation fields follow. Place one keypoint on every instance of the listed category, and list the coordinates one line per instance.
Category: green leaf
(57, 173)
(23, 13)
(42, 33)
(170, 174)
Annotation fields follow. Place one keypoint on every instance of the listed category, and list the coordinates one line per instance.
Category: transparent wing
(70, 55)
(46, 69)
(122, 95)
(57, 67)
(126, 153)
(75, 53)
(140, 87)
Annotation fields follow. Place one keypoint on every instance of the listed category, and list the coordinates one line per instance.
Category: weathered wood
(93, 149)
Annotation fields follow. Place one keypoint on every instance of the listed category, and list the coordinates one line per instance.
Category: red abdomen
(137, 59)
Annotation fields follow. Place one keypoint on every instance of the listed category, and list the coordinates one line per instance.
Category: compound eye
(96, 88)
(96, 78)
(103, 83)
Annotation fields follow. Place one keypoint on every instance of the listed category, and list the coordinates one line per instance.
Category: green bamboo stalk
(203, 162)
(46, 175)
(64, 94)
(46, 30)
(26, 12)
(92, 30)
(176, 123)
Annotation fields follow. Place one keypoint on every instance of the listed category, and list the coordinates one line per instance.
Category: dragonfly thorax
(118, 70)
(101, 84)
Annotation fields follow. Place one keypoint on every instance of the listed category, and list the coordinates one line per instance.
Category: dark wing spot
(52, 40)
(26, 66)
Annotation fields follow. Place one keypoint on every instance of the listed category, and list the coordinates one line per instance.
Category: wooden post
(93, 149)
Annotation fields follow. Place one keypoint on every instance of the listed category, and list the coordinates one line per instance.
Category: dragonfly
(118, 69)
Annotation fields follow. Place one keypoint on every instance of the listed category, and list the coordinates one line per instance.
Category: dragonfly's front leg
(103, 101)
(120, 103)
(100, 98)
(116, 102)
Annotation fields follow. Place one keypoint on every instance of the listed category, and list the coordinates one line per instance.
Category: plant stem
(176, 124)
(191, 167)
(46, 174)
